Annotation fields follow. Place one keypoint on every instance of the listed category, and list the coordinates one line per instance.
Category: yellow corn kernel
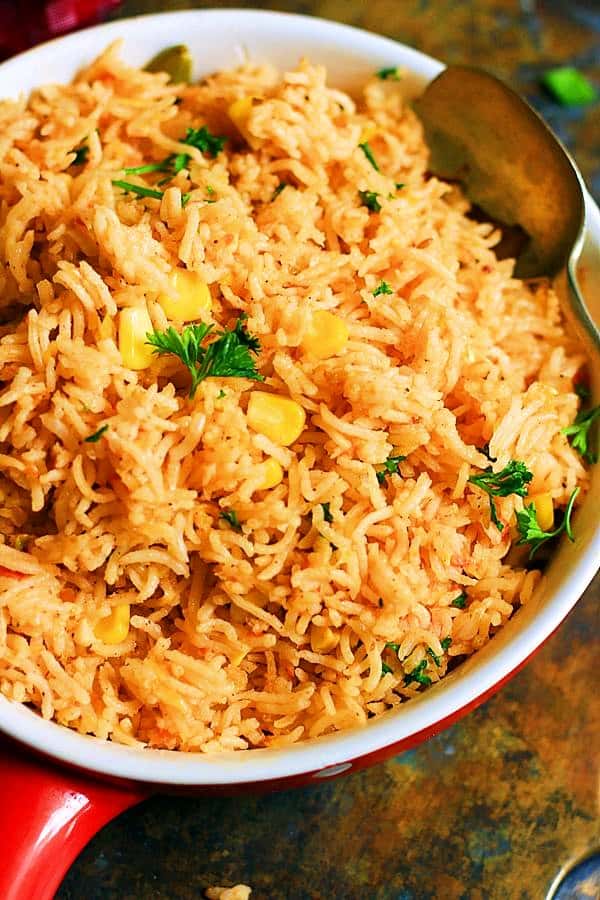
(368, 132)
(189, 298)
(271, 474)
(544, 508)
(115, 627)
(326, 335)
(134, 325)
(278, 418)
(322, 638)
(239, 113)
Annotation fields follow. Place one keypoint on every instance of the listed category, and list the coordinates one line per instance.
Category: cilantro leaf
(229, 356)
(390, 467)
(203, 140)
(391, 646)
(138, 189)
(230, 516)
(382, 288)
(385, 669)
(461, 601)
(389, 73)
(280, 187)
(326, 513)
(418, 674)
(579, 433)
(569, 86)
(582, 391)
(446, 642)
(512, 479)
(81, 155)
(366, 149)
(530, 530)
(370, 200)
(95, 437)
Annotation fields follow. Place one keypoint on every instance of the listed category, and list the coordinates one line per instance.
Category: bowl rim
(438, 705)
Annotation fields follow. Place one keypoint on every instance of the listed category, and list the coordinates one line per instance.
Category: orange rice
(277, 633)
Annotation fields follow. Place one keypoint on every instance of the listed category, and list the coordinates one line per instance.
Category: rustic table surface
(494, 807)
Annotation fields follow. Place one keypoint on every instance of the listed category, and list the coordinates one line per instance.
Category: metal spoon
(485, 136)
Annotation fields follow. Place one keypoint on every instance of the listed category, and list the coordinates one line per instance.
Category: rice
(222, 651)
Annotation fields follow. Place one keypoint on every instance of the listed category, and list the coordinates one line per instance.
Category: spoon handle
(583, 285)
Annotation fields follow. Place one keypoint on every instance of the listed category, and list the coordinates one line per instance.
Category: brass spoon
(485, 136)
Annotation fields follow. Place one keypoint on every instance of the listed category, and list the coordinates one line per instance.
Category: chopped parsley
(203, 140)
(382, 288)
(391, 646)
(445, 644)
(227, 357)
(389, 73)
(569, 86)
(230, 516)
(512, 479)
(385, 669)
(532, 534)
(81, 155)
(280, 187)
(366, 149)
(139, 189)
(95, 437)
(399, 185)
(461, 601)
(582, 391)
(579, 433)
(210, 189)
(390, 467)
(369, 199)
(418, 674)
(326, 513)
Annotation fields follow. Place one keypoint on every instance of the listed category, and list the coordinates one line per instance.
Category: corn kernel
(239, 113)
(134, 325)
(271, 474)
(189, 298)
(544, 508)
(278, 418)
(115, 627)
(368, 132)
(322, 638)
(326, 335)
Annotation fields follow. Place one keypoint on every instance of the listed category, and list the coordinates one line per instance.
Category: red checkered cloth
(24, 23)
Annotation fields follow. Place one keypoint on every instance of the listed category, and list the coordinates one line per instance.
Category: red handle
(46, 817)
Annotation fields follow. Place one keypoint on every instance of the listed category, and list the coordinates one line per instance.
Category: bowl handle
(46, 817)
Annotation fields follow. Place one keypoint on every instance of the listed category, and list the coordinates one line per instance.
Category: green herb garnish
(81, 155)
(95, 437)
(532, 534)
(382, 288)
(385, 669)
(139, 190)
(221, 394)
(399, 185)
(569, 86)
(446, 642)
(418, 675)
(366, 149)
(227, 357)
(203, 140)
(230, 516)
(326, 513)
(369, 199)
(280, 187)
(390, 467)
(461, 601)
(512, 479)
(391, 646)
(390, 73)
(582, 391)
(579, 433)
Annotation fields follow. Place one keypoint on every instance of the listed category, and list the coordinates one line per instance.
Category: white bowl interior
(219, 38)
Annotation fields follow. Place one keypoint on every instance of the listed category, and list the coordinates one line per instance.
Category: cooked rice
(237, 892)
(219, 653)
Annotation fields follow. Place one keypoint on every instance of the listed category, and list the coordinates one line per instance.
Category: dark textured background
(495, 806)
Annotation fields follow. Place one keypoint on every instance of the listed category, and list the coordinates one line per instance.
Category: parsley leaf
(369, 199)
(366, 149)
(532, 534)
(461, 601)
(392, 646)
(230, 516)
(512, 479)
(95, 437)
(446, 642)
(382, 288)
(399, 185)
(390, 73)
(138, 189)
(385, 669)
(203, 140)
(81, 155)
(579, 433)
(326, 513)
(582, 391)
(227, 357)
(418, 675)
(390, 467)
